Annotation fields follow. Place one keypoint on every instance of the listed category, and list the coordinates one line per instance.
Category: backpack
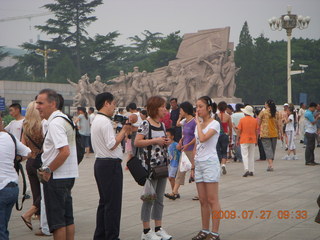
(79, 145)
(19, 168)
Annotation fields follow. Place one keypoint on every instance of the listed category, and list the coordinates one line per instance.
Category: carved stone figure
(204, 65)
(215, 78)
(229, 71)
(82, 97)
(145, 86)
(133, 90)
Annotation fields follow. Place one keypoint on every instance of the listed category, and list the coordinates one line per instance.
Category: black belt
(110, 159)
(11, 184)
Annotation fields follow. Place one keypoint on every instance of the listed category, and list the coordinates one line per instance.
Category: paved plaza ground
(292, 187)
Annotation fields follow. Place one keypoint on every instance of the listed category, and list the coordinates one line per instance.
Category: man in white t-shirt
(60, 167)
(8, 178)
(107, 168)
(15, 126)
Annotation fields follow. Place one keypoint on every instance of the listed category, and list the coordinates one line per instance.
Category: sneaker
(200, 236)
(247, 173)
(250, 173)
(224, 170)
(151, 235)
(163, 234)
(295, 157)
(286, 157)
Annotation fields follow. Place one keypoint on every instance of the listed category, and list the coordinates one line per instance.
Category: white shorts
(207, 171)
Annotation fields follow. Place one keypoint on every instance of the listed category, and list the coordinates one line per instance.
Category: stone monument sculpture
(204, 65)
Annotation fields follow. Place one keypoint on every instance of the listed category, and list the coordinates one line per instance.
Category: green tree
(69, 26)
(244, 59)
(3, 54)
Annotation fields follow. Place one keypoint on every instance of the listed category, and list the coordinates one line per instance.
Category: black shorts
(58, 201)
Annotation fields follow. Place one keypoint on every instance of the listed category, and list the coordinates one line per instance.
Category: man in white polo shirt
(107, 168)
(60, 166)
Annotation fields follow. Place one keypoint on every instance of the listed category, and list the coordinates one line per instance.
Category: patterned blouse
(158, 153)
(268, 127)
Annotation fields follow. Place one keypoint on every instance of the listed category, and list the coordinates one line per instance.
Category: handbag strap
(35, 144)
(149, 148)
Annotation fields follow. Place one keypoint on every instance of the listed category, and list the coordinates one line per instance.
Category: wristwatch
(46, 169)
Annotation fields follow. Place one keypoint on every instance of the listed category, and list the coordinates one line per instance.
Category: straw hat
(248, 110)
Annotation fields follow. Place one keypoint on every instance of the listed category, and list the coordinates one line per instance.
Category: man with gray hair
(60, 167)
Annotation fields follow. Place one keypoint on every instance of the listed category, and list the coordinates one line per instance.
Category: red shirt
(166, 120)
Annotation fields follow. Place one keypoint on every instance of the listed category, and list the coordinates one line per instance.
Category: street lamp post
(44, 52)
(288, 22)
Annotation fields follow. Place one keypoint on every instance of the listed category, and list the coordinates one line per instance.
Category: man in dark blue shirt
(174, 116)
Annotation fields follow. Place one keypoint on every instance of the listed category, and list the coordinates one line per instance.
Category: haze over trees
(263, 73)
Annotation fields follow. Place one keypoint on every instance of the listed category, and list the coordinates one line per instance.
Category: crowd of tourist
(207, 135)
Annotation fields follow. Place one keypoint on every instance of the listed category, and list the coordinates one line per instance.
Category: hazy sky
(131, 17)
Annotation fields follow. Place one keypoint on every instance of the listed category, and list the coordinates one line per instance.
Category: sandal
(211, 236)
(28, 224)
(195, 198)
(200, 236)
(172, 196)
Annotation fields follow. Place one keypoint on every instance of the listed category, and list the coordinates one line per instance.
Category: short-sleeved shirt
(139, 121)
(174, 116)
(290, 124)
(60, 133)
(159, 154)
(166, 120)
(188, 132)
(235, 119)
(174, 154)
(7, 152)
(248, 127)
(91, 117)
(84, 125)
(103, 138)
(309, 118)
(207, 150)
(268, 127)
(15, 128)
(301, 114)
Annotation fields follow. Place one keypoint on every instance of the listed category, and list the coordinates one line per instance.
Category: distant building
(25, 92)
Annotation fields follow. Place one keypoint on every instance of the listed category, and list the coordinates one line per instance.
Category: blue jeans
(8, 197)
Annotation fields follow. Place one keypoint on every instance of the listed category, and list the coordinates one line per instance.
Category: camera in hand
(119, 118)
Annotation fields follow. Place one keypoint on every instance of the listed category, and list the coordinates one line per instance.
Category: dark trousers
(311, 144)
(261, 150)
(34, 184)
(177, 134)
(222, 146)
(109, 178)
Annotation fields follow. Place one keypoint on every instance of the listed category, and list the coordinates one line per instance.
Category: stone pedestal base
(228, 100)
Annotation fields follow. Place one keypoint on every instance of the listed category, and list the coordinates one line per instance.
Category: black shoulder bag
(19, 168)
(79, 146)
